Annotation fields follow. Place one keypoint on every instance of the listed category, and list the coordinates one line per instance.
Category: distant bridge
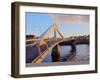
(37, 51)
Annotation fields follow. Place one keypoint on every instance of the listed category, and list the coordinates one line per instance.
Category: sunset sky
(69, 24)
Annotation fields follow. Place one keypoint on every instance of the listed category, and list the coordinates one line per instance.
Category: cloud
(69, 18)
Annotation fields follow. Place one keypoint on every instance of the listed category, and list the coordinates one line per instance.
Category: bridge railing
(52, 41)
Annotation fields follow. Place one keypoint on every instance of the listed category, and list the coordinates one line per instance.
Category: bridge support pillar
(73, 47)
(55, 53)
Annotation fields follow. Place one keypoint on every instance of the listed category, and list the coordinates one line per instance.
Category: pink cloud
(69, 18)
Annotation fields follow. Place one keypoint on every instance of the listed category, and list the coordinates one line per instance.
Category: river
(82, 54)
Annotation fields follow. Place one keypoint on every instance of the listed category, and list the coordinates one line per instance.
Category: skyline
(69, 24)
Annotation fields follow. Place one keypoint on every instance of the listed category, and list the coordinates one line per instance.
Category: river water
(82, 53)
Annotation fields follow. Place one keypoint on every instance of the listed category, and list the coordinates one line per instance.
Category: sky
(69, 24)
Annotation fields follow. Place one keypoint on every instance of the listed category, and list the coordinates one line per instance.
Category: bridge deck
(32, 52)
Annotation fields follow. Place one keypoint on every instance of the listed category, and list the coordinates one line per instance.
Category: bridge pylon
(52, 28)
